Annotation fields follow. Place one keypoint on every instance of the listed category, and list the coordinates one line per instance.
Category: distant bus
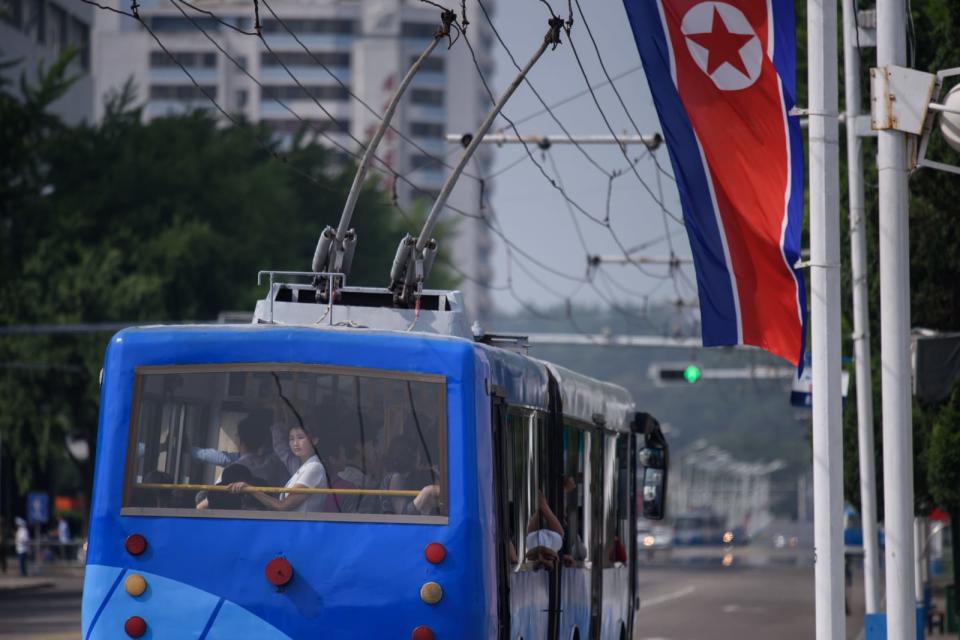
(700, 528)
(451, 489)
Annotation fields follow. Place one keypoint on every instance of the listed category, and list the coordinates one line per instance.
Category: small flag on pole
(723, 78)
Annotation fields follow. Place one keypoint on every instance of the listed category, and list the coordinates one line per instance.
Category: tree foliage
(134, 221)
(934, 257)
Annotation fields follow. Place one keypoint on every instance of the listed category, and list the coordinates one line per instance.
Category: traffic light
(675, 373)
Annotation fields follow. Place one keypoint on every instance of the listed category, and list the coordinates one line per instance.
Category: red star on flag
(722, 45)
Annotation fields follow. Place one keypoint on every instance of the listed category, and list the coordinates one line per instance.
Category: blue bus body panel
(352, 579)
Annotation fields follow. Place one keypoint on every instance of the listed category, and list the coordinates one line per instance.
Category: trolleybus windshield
(287, 441)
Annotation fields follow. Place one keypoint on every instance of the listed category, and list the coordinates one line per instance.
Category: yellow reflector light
(431, 592)
(728, 537)
(135, 585)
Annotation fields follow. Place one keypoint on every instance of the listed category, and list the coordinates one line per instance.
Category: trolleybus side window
(535, 533)
(297, 441)
(576, 496)
(616, 516)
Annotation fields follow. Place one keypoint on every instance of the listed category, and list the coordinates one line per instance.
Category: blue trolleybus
(354, 470)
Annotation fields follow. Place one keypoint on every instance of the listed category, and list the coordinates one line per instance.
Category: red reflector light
(279, 572)
(435, 552)
(135, 544)
(135, 626)
(423, 632)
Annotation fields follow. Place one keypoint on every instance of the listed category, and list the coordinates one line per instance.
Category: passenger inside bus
(310, 474)
(544, 536)
(253, 437)
(228, 500)
(574, 549)
(343, 455)
(406, 469)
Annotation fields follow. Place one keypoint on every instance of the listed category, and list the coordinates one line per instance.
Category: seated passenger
(335, 442)
(229, 500)
(252, 439)
(311, 474)
(397, 465)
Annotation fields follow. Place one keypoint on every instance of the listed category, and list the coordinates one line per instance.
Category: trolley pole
(895, 343)
(861, 315)
(822, 69)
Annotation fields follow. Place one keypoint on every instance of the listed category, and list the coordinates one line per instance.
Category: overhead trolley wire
(609, 126)
(613, 85)
(438, 159)
(386, 170)
(270, 148)
(264, 144)
(605, 222)
(579, 94)
(536, 93)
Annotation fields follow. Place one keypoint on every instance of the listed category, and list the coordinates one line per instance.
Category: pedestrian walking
(22, 543)
(63, 535)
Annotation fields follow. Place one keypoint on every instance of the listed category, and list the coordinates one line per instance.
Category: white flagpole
(822, 70)
(861, 314)
(895, 343)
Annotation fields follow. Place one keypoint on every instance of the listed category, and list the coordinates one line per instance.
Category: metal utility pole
(822, 70)
(895, 343)
(861, 314)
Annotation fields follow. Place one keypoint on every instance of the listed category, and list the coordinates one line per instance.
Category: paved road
(49, 612)
(750, 598)
(695, 601)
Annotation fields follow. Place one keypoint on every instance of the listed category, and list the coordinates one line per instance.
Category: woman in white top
(309, 475)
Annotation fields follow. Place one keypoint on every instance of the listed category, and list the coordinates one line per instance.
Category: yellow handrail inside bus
(412, 493)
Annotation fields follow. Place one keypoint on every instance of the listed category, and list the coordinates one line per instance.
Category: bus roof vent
(295, 301)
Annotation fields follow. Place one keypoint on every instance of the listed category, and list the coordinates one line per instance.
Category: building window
(35, 23)
(322, 26)
(418, 29)
(294, 92)
(168, 24)
(80, 37)
(432, 65)
(181, 92)
(57, 28)
(304, 59)
(318, 125)
(185, 58)
(241, 98)
(427, 129)
(429, 97)
(11, 12)
(421, 161)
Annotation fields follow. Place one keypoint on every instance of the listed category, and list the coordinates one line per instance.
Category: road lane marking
(666, 597)
(736, 608)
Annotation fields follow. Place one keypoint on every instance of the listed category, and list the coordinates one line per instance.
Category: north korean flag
(723, 78)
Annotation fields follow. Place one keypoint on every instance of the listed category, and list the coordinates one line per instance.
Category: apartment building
(365, 47)
(34, 33)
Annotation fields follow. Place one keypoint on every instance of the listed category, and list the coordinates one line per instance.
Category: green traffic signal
(692, 373)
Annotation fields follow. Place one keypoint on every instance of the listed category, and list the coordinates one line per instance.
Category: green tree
(943, 469)
(134, 221)
(934, 249)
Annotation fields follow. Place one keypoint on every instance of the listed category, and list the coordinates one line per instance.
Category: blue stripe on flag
(718, 307)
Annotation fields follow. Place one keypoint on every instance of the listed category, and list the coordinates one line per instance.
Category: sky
(535, 215)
